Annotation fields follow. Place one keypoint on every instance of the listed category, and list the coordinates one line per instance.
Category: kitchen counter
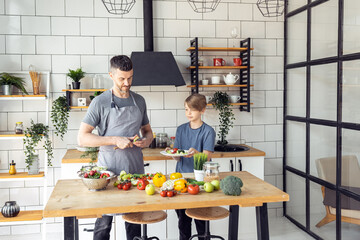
(151, 154)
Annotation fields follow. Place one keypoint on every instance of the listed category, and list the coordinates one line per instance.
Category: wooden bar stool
(207, 214)
(145, 218)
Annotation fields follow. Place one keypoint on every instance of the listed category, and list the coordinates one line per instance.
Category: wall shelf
(244, 81)
(85, 90)
(22, 97)
(70, 91)
(234, 104)
(223, 49)
(80, 107)
(12, 135)
(30, 215)
(21, 175)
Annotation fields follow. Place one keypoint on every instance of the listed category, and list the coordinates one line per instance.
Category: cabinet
(244, 70)
(27, 216)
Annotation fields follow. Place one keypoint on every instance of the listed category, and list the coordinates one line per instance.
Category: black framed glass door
(322, 117)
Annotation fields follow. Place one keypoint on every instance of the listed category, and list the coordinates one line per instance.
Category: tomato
(193, 189)
(170, 193)
(126, 187)
(175, 193)
(120, 186)
(128, 184)
(163, 193)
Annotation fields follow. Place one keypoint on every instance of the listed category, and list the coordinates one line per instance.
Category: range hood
(154, 68)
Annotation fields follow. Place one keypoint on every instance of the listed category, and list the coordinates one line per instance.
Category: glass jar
(19, 128)
(161, 140)
(172, 142)
(211, 171)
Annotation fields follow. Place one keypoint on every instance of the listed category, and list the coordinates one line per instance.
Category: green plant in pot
(226, 116)
(8, 81)
(76, 76)
(199, 160)
(97, 93)
(33, 135)
(60, 115)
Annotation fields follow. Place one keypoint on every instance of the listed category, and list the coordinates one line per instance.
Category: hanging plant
(60, 115)
(91, 152)
(221, 103)
(33, 135)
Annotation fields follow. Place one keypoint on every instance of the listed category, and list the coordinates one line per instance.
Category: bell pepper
(180, 185)
(159, 179)
(142, 184)
(175, 175)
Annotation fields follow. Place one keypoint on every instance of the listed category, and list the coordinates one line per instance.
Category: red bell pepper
(142, 184)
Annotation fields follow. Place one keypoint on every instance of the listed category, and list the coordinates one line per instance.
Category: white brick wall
(57, 35)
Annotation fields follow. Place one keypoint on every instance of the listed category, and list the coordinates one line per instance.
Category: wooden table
(71, 199)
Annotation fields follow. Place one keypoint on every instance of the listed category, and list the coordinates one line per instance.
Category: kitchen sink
(230, 148)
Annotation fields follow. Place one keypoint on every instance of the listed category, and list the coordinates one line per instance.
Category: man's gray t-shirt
(99, 108)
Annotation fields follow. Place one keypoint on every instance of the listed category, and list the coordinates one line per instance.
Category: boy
(196, 136)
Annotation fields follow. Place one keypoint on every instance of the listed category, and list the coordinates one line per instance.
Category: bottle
(172, 142)
(12, 170)
(19, 128)
(153, 143)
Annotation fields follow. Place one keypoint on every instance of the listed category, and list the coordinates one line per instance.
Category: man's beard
(126, 91)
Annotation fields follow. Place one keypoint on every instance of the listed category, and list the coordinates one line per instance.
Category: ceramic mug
(234, 98)
(215, 80)
(208, 98)
(219, 62)
(204, 82)
(237, 61)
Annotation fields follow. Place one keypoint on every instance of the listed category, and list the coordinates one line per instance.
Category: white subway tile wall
(59, 35)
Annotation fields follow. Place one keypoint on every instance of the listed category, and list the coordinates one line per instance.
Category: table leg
(233, 222)
(71, 230)
(262, 222)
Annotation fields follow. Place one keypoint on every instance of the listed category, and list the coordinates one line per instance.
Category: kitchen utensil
(219, 62)
(230, 79)
(10, 209)
(208, 98)
(205, 82)
(237, 61)
(175, 154)
(96, 184)
(35, 78)
(234, 98)
(84, 149)
(215, 80)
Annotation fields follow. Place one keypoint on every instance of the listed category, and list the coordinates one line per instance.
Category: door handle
(231, 165)
(240, 165)
(88, 230)
(146, 164)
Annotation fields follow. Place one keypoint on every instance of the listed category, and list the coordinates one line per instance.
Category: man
(119, 115)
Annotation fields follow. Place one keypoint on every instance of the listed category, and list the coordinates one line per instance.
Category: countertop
(151, 154)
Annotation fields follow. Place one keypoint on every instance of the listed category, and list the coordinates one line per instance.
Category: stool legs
(206, 235)
(144, 234)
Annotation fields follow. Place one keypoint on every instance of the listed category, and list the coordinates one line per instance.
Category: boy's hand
(191, 152)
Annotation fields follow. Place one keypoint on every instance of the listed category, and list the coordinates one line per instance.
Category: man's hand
(123, 142)
(141, 142)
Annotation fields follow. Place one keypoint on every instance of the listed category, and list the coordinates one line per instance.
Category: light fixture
(118, 6)
(204, 6)
(271, 8)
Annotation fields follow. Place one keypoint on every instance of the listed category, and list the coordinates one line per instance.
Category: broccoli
(231, 185)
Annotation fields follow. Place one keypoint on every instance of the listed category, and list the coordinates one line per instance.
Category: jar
(161, 140)
(211, 171)
(201, 61)
(12, 170)
(19, 128)
(172, 142)
(10, 209)
(98, 81)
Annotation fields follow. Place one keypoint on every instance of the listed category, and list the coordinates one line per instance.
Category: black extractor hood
(154, 68)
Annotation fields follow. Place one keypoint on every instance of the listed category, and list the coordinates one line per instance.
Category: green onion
(199, 160)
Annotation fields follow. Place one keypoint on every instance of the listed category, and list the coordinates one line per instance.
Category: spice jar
(19, 128)
(211, 171)
(172, 142)
(161, 140)
(12, 170)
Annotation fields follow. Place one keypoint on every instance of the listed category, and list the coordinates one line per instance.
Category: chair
(207, 214)
(145, 218)
(326, 168)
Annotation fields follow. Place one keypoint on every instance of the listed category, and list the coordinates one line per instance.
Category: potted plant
(221, 103)
(33, 135)
(97, 93)
(7, 82)
(199, 160)
(59, 116)
(76, 76)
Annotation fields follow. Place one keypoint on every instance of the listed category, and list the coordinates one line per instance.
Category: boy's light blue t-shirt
(202, 138)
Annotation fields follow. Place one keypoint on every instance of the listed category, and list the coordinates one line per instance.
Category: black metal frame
(339, 59)
(244, 73)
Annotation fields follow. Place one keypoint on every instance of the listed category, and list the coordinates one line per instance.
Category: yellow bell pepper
(175, 175)
(180, 185)
(159, 179)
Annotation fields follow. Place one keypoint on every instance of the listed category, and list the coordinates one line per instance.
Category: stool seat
(145, 217)
(208, 213)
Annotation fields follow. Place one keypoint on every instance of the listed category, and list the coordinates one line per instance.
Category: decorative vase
(7, 89)
(199, 175)
(35, 166)
(76, 85)
(10, 209)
